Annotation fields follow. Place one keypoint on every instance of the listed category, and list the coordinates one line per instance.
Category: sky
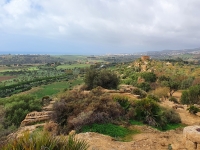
(98, 26)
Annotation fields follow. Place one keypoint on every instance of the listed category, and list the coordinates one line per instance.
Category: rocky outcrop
(145, 58)
(36, 117)
(192, 137)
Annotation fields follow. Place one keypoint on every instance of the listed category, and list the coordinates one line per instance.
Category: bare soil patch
(3, 78)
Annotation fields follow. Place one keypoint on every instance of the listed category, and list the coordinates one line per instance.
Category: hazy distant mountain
(175, 52)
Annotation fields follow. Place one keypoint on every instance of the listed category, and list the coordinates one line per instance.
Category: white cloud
(125, 22)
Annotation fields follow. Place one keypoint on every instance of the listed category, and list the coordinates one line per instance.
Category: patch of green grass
(32, 68)
(171, 127)
(55, 88)
(134, 122)
(115, 131)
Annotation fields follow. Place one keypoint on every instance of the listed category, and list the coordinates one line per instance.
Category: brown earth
(6, 78)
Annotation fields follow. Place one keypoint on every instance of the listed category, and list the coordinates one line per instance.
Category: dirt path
(186, 117)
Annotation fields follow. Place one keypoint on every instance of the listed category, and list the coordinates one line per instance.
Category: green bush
(148, 111)
(45, 140)
(153, 97)
(17, 107)
(191, 96)
(135, 122)
(193, 109)
(185, 97)
(149, 76)
(123, 101)
(171, 116)
(174, 99)
(104, 78)
(144, 86)
(139, 92)
(76, 109)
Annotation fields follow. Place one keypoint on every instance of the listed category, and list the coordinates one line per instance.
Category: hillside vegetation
(114, 97)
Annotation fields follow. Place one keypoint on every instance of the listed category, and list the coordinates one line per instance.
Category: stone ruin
(36, 117)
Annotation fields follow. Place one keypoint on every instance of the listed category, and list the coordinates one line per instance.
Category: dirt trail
(186, 117)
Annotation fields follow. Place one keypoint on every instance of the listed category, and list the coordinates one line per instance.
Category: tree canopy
(104, 78)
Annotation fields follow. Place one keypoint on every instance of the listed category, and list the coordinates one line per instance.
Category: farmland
(22, 75)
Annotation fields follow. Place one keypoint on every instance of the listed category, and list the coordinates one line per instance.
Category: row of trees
(27, 85)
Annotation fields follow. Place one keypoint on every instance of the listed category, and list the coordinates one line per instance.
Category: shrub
(153, 97)
(18, 106)
(76, 109)
(104, 78)
(51, 127)
(185, 97)
(123, 101)
(161, 92)
(193, 109)
(171, 116)
(149, 76)
(45, 140)
(173, 99)
(148, 111)
(144, 86)
(191, 96)
(140, 92)
(163, 78)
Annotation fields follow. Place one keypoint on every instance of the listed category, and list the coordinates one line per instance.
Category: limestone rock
(192, 137)
(191, 133)
(35, 117)
(190, 145)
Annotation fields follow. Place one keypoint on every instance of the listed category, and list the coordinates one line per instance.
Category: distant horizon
(133, 53)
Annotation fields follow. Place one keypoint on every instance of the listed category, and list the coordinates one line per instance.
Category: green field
(55, 88)
(72, 66)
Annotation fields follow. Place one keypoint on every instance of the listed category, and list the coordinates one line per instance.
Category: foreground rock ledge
(192, 137)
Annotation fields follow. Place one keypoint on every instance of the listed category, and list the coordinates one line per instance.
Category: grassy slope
(54, 88)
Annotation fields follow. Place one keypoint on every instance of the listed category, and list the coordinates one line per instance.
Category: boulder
(191, 136)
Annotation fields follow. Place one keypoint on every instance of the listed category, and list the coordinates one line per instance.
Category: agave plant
(45, 141)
